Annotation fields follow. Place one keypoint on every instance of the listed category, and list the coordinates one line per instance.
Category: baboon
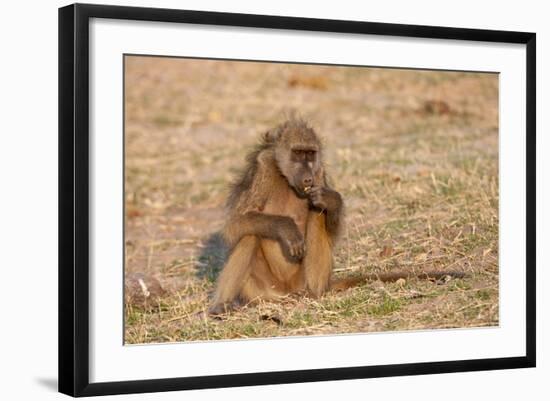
(283, 221)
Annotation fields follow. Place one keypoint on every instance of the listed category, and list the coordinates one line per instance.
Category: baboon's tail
(345, 283)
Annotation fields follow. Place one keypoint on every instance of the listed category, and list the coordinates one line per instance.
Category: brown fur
(279, 239)
(283, 222)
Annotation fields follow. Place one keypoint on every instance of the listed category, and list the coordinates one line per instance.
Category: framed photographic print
(250, 199)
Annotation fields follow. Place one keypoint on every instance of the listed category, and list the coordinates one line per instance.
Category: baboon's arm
(251, 223)
(334, 213)
(280, 228)
(329, 202)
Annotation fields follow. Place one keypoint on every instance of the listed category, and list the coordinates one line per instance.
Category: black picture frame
(74, 193)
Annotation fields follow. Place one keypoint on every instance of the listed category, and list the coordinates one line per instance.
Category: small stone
(142, 290)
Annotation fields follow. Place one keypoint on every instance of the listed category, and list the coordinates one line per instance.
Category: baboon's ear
(272, 135)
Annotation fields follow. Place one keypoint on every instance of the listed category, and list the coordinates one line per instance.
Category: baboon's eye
(310, 155)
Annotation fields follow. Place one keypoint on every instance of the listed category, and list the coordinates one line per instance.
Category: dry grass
(414, 154)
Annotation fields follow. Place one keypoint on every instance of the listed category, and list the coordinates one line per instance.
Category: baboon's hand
(291, 240)
(324, 198)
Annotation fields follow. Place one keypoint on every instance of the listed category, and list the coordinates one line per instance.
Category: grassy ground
(414, 154)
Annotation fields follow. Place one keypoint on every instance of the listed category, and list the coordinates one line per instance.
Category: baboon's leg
(261, 283)
(279, 266)
(317, 263)
(235, 273)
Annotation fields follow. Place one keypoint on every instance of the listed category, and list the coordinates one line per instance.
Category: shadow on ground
(212, 257)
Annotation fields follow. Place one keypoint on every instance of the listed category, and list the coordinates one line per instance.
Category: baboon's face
(300, 162)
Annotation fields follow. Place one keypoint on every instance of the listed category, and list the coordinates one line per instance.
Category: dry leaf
(437, 107)
(386, 252)
(316, 82)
